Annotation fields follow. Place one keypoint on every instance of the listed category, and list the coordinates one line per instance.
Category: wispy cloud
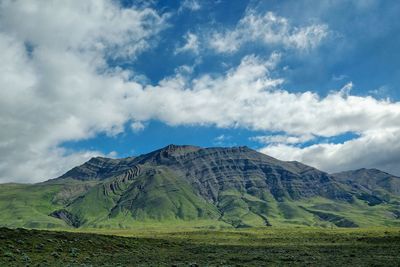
(192, 5)
(268, 29)
(223, 140)
(137, 126)
(281, 139)
(191, 44)
(381, 91)
(339, 77)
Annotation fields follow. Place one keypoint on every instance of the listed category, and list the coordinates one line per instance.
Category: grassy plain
(198, 247)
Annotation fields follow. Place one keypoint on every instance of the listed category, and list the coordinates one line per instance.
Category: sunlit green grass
(28, 206)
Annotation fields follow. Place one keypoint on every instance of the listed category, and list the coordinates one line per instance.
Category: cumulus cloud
(89, 26)
(224, 101)
(55, 85)
(268, 29)
(247, 96)
(373, 149)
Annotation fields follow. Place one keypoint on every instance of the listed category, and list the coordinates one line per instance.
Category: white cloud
(222, 101)
(112, 154)
(220, 138)
(192, 5)
(191, 44)
(339, 77)
(137, 126)
(81, 26)
(184, 70)
(268, 29)
(247, 96)
(223, 140)
(381, 91)
(373, 149)
(345, 91)
(61, 89)
(282, 139)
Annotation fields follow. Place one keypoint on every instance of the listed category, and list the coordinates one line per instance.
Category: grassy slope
(29, 205)
(150, 198)
(164, 197)
(250, 247)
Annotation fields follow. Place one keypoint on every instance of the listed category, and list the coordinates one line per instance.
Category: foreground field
(250, 247)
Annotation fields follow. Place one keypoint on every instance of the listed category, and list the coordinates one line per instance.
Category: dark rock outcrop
(71, 219)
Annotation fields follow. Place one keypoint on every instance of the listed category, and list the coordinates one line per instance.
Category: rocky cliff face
(370, 185)
(213, 170)
(370, 180)
(99, 168)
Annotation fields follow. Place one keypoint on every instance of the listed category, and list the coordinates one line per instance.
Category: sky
(312, 81)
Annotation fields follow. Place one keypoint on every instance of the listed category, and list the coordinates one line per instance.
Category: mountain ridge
(230, 187)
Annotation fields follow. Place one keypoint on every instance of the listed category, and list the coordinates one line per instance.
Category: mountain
(370, 180)
(371, 185)
(202, 187)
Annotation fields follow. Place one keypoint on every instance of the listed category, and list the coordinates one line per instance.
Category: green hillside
(217, 188)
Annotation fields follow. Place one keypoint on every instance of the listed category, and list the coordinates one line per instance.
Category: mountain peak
(97, 159)
(177, 150)
(173, 147)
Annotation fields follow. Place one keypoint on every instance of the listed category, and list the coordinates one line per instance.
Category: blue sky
(314, 81)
